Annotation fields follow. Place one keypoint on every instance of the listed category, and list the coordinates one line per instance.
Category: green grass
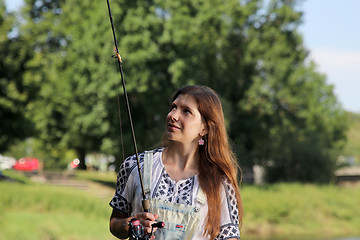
(107, 179)
(45, 198)
(16, 176)
(32, 211)
(297, 209)
(52, 225)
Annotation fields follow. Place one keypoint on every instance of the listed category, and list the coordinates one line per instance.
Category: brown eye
(187, 111)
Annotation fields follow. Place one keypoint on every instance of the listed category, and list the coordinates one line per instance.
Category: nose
(174, 115)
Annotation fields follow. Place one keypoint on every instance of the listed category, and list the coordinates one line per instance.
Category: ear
(205, 130)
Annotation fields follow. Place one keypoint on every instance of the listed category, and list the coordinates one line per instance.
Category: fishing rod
(145, 201)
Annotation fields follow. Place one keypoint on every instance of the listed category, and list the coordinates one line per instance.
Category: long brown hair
(217, 161)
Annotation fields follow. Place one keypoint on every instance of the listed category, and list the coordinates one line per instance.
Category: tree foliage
(352, 146)
(290, 120)
(15, 94)
(280, 112)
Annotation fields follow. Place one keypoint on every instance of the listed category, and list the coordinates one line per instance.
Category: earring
(201, 142)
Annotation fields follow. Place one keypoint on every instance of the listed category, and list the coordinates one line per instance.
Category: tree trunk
(81, 153)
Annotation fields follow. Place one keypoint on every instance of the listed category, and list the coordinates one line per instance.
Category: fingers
(146, 215)
(147, 219)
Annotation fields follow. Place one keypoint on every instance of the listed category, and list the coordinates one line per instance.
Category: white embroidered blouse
(128, 195)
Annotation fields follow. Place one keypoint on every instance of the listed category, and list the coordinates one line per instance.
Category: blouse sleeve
(125, 189)
(229, 226)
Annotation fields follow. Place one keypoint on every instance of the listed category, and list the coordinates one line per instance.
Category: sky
(332, 36)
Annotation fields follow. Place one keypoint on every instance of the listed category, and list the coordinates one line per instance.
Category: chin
(171, 138)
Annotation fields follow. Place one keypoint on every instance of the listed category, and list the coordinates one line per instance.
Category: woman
(192, 180)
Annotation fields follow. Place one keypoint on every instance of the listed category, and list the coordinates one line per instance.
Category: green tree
(15, 94)
(280, 112)
(75, 83)
(352, 146)
(289, 119)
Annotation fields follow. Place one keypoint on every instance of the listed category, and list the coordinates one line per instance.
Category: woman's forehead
(185, 99)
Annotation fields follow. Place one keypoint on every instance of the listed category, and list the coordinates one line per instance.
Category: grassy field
(47, 212)
(42, 211)
(301, 210)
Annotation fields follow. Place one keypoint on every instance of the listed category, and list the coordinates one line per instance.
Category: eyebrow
(182, 106)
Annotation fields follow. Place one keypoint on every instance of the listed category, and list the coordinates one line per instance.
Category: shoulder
(158, 151)
(131, 162)
(128, 165)
(129, 168)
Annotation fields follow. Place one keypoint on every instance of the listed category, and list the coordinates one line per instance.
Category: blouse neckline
(172, 180)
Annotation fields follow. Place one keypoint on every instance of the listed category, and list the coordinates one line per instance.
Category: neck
(183, 157)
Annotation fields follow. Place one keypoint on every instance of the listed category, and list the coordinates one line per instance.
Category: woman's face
(184, 121)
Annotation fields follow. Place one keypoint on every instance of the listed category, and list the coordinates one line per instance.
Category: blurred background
(286, 71)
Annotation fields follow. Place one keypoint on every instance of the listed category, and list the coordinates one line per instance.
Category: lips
(172, 126)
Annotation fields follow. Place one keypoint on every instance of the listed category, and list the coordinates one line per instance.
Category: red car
(27, 164)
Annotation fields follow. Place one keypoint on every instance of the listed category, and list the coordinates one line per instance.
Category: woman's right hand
(119, 223)
(146, 220)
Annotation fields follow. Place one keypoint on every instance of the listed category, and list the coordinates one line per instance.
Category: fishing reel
(136, 230)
